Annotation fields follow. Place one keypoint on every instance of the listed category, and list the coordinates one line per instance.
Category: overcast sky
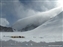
(12, 10)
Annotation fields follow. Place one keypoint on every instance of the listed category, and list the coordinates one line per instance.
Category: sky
(12, 10)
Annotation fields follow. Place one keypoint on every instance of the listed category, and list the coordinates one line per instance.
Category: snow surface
(50, 31)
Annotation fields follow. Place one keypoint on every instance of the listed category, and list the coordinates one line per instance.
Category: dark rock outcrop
(5, 29)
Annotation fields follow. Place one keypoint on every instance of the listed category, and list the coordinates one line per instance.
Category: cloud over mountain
(17, 9)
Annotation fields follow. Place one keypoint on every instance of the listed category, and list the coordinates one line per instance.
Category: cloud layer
(17, 9)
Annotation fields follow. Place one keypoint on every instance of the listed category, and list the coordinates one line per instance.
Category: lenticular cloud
(33, 22)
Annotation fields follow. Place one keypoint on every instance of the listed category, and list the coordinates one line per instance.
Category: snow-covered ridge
(32, 22)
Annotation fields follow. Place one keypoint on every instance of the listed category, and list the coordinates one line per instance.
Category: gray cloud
(38, 5)
(17, 9)
(23, 8)
(26, 8)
